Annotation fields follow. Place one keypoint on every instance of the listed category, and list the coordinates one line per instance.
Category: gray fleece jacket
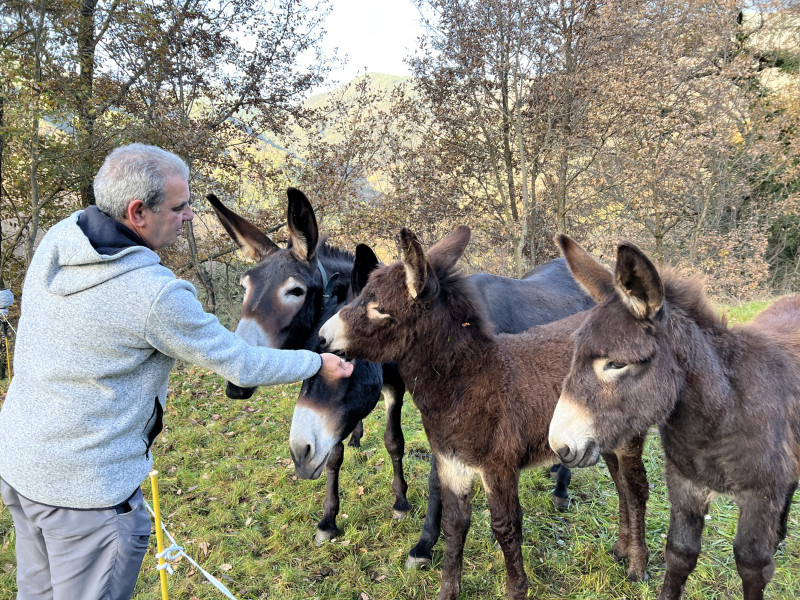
(97, 338)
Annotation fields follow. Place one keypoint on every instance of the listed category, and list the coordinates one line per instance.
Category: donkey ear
(590, 274)
(638, 282)
(255, 244)
(446, 252)
(416, 265)
(302, 222)
(364, 264)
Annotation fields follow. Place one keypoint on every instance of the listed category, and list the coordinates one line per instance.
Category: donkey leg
(689, 505)
(757, 531)
(560, 496)
(634, 491)
(395, 442)
(503, 496)
(326, 528)
(456, 482)
(421, 555)
(620, 549)
(355, 437)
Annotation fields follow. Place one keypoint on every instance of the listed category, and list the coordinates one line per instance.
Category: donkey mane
(333, 252)
(461, 298)
(335, 258)
(688, 294)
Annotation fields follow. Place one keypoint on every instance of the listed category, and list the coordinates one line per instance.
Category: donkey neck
(442, 363)
(704, 356)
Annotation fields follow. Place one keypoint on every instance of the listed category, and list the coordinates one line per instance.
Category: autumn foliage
(674, 124)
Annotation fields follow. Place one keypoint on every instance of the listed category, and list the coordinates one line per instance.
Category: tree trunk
(86, 112)
(34, 146)
(567, 98)
(210, 302)
(532, 221)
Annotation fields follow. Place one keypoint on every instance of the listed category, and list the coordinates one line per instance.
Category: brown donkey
(726, 400)
(485, 399)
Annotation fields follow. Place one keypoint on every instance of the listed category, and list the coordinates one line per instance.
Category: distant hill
(275, 150)
(377, 82)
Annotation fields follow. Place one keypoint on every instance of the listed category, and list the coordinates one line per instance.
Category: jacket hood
(75, 265)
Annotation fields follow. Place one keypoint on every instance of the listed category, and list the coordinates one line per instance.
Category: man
(102, 323)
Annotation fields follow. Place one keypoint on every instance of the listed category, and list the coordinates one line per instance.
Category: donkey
(286, 293)
(726, 400)
(327, 412)
(485, 399)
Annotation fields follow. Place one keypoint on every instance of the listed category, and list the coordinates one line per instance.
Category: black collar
(106, 234)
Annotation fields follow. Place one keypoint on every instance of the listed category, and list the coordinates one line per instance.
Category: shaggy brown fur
(485, 400)
(727, 402)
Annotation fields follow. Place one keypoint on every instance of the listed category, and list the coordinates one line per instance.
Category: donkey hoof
(636, 577)
(399, 514)
(324, 535)
(561, 504)
(417, 562)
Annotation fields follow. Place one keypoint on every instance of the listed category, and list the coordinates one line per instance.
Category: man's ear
(135, 213)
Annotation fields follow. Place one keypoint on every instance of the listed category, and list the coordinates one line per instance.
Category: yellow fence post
(159, 536)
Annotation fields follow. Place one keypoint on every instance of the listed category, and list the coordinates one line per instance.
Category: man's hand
(334, 368)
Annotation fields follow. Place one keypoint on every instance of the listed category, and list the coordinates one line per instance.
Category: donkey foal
(726, 400)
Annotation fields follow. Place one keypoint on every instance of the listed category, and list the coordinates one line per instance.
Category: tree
(204, 79)
(506, 82)
(687, 171)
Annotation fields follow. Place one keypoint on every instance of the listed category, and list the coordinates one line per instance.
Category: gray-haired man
(102, 323)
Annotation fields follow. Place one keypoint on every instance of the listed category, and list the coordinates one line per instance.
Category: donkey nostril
(301, 455)
(565, 453)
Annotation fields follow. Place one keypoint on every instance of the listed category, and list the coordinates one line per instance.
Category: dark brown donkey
(485, 399)
(726, 400)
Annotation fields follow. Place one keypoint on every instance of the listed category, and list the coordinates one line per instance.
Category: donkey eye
(375, 312)
(292, 291)
(614, 366)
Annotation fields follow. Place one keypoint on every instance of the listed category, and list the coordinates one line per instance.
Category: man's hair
(135, 171)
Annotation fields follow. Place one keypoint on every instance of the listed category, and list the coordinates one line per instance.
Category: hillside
(379, 83)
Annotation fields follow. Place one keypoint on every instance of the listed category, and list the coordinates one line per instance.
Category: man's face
(163, 228)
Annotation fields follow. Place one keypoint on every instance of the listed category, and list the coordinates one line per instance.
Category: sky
(374, 34)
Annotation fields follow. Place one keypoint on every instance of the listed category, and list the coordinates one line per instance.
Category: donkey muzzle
(571, 434)
(238, 393)
(331, 337)
(579, 456)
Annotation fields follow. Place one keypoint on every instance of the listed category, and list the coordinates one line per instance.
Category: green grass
(741, 313)
(230, 497)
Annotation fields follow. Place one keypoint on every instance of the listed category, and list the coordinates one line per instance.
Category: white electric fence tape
(175, 551)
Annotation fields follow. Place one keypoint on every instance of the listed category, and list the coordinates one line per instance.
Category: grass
(741, 313)
(230, 498)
